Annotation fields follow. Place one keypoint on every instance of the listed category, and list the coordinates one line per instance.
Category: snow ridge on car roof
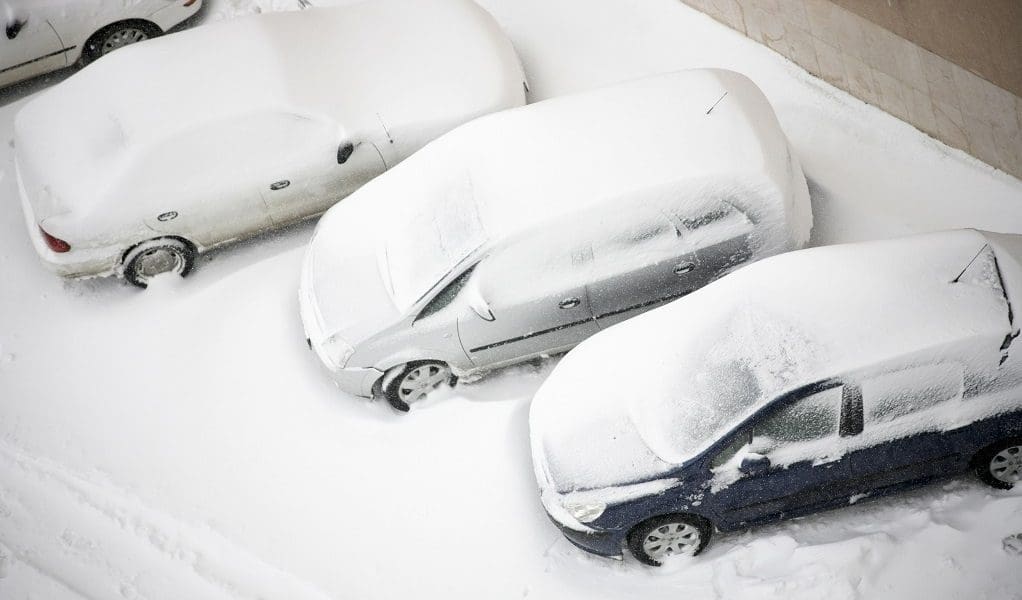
(559, 156)
(366, 66)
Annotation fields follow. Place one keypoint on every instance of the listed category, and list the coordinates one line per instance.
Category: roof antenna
(716, 103)
(955, 280)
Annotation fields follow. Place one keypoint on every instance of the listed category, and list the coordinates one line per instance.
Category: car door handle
(279, 185)
(569, 303)
(685, 267)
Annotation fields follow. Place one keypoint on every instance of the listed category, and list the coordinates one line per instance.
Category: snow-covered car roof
(772, 327)
(356, 66)
(709, 129)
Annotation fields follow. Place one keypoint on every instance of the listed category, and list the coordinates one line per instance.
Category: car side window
(897, 394)
(446, 295)
(740, 441)
(812, 418)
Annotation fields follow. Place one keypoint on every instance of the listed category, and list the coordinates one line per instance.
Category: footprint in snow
(1013, 544)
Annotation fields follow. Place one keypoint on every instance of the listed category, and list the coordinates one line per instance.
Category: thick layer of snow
(183, 442)
(767, 329)
(196, 122)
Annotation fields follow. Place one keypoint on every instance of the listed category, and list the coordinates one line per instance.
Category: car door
(314, 167)
(720, 236)
(29, 46)
(202, 185)
(900, 414)
(638, 267)
(525, 300)
(786, 464)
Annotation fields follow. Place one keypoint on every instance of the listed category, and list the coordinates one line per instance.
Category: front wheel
(118, 35)
(414, 381)
(1000, 465)
(155, 257)
(660, 538)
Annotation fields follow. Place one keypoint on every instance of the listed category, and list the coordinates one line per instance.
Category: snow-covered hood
(342, 291)
(586, 442)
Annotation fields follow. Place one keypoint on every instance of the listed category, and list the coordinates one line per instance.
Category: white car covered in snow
(807, 381)
(523, 233)
(45, 35)
(178, 145)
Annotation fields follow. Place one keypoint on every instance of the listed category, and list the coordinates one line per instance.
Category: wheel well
(977, 458)
(178, 238)
(89, 53)
(701, 520)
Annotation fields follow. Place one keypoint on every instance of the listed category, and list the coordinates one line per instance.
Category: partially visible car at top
(807, 381)
(523, 233)
(194, 140)
(41, 36)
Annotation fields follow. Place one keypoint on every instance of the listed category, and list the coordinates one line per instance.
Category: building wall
(873, 62)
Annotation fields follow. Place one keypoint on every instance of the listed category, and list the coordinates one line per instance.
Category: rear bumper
(87, 262)
(174, 14)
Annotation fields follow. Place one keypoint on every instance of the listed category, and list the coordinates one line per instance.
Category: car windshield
(428, 245)
(754, 357)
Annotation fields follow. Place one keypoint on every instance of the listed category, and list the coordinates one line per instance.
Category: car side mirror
(481, 307)
(14, 28)
(344, 152)
(754, 464)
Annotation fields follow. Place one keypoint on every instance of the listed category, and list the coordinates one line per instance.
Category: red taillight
(55, 244)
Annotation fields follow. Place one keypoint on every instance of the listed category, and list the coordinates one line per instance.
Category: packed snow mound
(684, 374)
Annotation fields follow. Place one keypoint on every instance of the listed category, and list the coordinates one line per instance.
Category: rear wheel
(414, 381)
(118, 35)
(660, 538)
(1000, 465)
(155, 257)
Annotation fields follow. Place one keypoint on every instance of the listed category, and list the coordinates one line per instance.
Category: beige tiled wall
(936, 96)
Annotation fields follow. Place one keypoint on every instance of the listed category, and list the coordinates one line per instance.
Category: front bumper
(357, 381)
(603, 543)
(79, 262)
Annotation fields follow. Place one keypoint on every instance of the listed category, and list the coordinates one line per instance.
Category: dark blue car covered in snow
(804, 382)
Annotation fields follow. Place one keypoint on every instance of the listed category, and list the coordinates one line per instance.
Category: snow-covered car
(45, 35)
(523, 233)
(194, 140)
(807, 381)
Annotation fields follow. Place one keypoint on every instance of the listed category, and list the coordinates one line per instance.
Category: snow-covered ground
(183, 443)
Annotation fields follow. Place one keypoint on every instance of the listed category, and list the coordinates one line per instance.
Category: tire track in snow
(102, 542)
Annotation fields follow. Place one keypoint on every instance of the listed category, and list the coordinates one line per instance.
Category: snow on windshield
(430, 243)
(758, 355)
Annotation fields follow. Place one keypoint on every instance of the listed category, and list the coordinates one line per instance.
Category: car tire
(668, 535)
(154, 257)
(1000, 465)
(118, 35)
(410, 383)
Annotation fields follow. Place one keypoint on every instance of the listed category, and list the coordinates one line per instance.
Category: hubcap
(1006, 465)
(421, 381)
(155, 261)
(122, 37)
(671, 539)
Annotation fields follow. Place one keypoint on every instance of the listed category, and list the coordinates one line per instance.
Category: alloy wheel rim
(421, 381)
(671, 539)
(121, 38)
(157, 261)
(1006, 465)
